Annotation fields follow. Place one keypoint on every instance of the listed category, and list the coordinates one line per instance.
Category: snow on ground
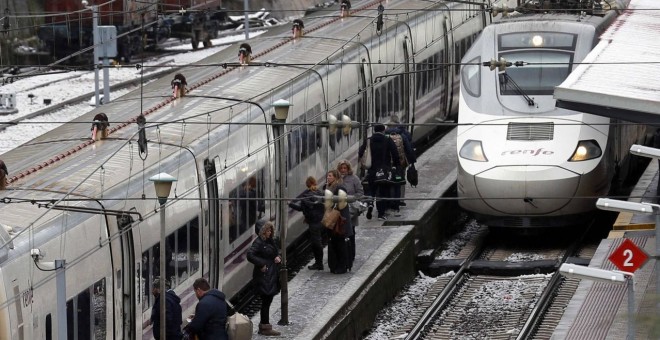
(397, 313)
(59, 87)
(454, 246)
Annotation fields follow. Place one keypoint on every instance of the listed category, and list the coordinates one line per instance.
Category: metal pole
(60, 282)
(631, 308)
(106, 81)
(95, 33)
(163, 276)
(278, 128)
(247, 20)
(657, 258)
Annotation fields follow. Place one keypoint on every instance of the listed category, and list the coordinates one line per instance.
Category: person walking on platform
(210, 317)
(264, 254)
(311, 205)
(383, 155)
(338, 245)
(403, 142)
(353, 186)
(173, 316)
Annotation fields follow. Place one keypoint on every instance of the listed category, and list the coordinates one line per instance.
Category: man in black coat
(172, 312)
(210, 317)
(383, 155)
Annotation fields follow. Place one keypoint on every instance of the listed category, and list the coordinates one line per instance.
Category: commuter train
(91, 203)
(522, 162)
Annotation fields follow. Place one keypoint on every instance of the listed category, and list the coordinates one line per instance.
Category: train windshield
(549, 57)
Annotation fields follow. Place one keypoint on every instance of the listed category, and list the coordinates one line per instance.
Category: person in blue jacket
(173, 316)
(210, 319)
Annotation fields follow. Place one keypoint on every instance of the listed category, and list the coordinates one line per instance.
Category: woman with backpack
(311, 205)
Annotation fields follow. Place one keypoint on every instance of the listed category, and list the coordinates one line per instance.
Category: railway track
(495, 288)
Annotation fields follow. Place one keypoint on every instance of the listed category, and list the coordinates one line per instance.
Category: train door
(447, 73)
(215, 231)
(130, 290)
(408, 105)
(125, 270)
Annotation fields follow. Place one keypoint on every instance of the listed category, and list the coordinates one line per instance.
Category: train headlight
(537, 41)
(473, 151)
(586, 150)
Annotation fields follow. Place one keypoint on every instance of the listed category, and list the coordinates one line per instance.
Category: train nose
(527, 190)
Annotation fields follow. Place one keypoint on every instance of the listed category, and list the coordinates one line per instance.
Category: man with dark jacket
(383, 155)
(309, 202)
(172, 312)
(210, 317)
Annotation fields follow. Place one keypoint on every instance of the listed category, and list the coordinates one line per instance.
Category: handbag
(339, 226)
(239, 326)
(330, 218)
(365, 161)
(382, 175)
(412, 175)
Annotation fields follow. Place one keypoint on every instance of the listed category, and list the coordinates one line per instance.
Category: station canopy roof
(620, 78)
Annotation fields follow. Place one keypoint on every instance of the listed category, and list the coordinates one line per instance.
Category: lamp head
(589, 273)
(162, 184)
(327, 199)
(625, 206)
(281, 109)
(645, 151)
(84, 3)
(332, 124)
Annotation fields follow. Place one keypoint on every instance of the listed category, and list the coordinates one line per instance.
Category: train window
(244, 211)
(471, 77)
(193, 238)
(397, 94)
(99, 305)
(547, 69)
(377, 102)
(147, 277)
(49, 327)
(86, 313)
(526, 40)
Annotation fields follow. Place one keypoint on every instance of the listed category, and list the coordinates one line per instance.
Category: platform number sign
(628, 257)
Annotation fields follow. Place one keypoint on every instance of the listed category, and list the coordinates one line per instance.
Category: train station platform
(599, 310)
(322, 305)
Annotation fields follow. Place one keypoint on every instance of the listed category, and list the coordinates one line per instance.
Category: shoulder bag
(365, 161)
(412, 175)
(330, 218)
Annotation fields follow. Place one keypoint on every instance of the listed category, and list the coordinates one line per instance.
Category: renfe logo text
(536, 152)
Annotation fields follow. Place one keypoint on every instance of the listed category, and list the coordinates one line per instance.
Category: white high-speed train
(92, 205)
(522, 161)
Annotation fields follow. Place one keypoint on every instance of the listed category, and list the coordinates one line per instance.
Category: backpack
(398, 141)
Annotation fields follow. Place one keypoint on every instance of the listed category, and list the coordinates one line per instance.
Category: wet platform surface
(340, 306)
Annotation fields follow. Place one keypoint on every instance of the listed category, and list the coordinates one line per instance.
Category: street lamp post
(281, 113)
(162, 185)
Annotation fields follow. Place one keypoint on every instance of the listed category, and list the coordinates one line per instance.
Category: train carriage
(94, 205)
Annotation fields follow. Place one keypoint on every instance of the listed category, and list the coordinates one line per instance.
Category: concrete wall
(356, 317)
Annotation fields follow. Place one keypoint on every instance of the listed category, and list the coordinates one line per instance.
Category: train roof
(628, 90)
(65, 160)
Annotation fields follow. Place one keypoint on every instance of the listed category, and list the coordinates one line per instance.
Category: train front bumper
(528, 191)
